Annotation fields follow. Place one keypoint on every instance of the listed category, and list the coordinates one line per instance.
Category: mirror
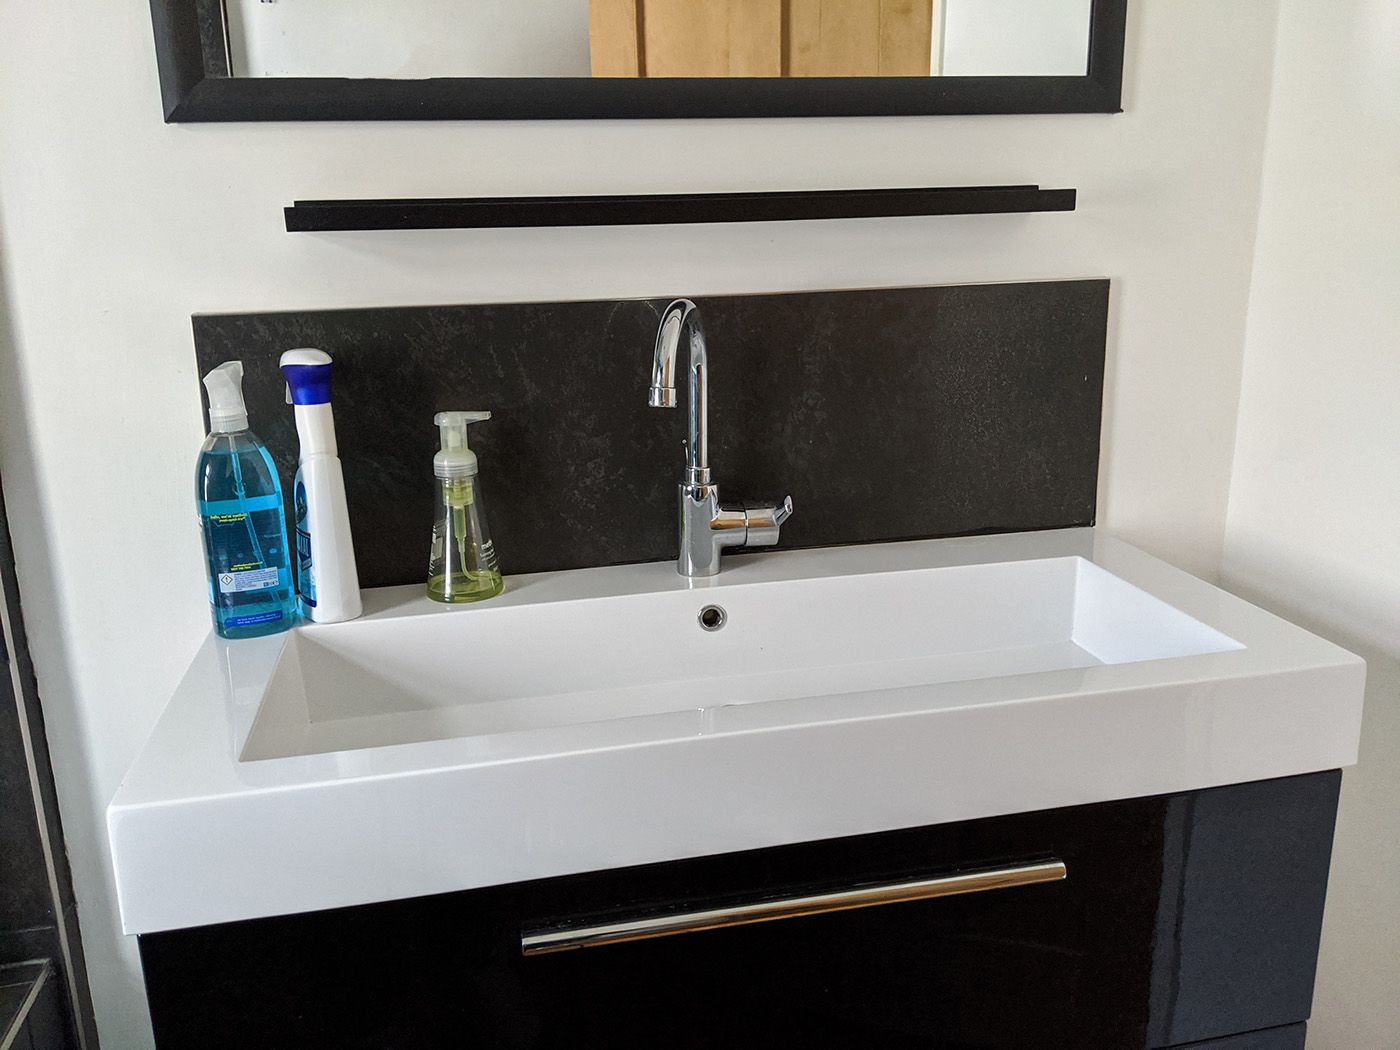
(552, 59)
(658, 38)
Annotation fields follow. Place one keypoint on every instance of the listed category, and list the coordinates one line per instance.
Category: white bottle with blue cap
(328, 584)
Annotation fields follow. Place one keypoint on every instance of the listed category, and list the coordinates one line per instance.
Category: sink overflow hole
(712, 617)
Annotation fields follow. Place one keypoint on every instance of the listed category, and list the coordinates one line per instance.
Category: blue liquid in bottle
(245, 537)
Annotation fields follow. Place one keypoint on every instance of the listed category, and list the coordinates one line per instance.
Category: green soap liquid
(465, 586)
(463, 563)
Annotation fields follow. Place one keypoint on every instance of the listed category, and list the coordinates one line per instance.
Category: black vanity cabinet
(1182, 920)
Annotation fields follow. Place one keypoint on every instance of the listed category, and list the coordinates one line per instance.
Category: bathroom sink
(626, 715)
(537, 664)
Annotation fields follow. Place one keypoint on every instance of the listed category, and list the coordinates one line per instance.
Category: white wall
(1029, 38)
(116, 228)
(1314, 515)
(410, 38)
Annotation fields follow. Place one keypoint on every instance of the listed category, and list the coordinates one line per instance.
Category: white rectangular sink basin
(541, 665)
(587, 720)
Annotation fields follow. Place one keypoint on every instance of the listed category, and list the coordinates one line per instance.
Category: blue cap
(308, 375)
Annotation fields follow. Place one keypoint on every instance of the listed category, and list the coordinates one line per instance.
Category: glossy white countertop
(1105, 674)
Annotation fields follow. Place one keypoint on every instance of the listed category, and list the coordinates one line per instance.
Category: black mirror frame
(192, 54)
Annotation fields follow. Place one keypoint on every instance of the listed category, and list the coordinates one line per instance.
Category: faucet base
(708, 526)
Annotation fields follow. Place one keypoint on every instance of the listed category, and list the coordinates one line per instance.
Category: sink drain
(712, 617)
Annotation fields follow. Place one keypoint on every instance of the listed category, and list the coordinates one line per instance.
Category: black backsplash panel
(886, 414)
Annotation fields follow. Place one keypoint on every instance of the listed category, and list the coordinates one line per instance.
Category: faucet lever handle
(764, 521)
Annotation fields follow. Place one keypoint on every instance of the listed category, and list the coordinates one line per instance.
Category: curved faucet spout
(707, 526)
(681, 318)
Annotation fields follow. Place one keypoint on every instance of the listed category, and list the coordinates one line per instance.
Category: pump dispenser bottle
(462, 564)
(328, 582)
(241, 516)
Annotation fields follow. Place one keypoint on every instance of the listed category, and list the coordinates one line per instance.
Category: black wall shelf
(501, 212)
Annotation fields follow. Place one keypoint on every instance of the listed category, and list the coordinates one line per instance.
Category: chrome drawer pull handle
(542, 940)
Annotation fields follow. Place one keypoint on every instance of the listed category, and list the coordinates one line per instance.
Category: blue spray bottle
(240, 511)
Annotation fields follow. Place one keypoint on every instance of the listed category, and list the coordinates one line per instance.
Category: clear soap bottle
(462, 564)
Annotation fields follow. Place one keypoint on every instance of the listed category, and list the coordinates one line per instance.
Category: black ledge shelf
(503, 212)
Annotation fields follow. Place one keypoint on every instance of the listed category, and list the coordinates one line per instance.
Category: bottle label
(244, 549)
(239, 508)
(247, 580)
(256, 618)
(306, 569)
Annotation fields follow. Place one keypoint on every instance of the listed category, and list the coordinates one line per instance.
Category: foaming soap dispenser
(462, 564)
(327, 580)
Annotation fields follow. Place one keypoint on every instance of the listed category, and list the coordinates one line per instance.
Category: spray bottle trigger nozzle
(227, 411)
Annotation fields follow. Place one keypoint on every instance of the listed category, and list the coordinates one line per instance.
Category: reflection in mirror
(657, 38)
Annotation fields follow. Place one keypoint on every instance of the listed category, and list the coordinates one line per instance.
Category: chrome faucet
(706, 525)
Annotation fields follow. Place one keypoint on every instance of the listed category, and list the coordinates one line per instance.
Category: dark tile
(30, 911)
(886, 414)
(12, 1000)
(20, 985)
(24, 889)
(31, 1014)
(47, 1024)
(34, 942)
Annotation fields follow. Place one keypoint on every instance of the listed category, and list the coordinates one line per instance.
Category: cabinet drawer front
(1145, 923)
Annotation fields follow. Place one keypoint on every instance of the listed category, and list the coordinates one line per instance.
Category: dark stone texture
(886, 414)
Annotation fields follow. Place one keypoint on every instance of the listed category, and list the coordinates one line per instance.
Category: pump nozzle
(455, 459)
(227, 413)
